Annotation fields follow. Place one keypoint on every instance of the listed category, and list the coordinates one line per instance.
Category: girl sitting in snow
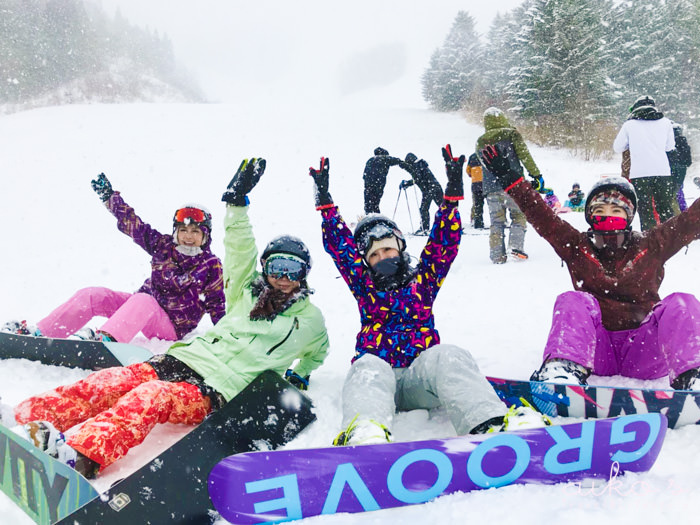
(615, 322)
(119, 406)
(399, 362)
(185, 283)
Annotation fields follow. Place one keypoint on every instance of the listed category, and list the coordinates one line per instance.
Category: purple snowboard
(283, 485)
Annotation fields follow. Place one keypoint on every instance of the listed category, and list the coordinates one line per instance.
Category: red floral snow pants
(120, 406)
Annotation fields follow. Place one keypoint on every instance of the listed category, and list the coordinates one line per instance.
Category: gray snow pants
(442, 375)
(499, 202)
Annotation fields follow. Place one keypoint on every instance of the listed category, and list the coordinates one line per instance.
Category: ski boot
(49, 439)
(518, 255)
(561, 371)
(363, 432)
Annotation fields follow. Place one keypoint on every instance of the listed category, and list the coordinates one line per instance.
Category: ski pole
(410, 218)
(397, 203)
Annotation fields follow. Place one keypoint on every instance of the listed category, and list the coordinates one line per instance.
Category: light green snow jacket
(236, 349)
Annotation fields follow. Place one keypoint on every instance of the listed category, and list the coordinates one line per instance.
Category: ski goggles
(375, 233)
(287, 266)
(189, 215)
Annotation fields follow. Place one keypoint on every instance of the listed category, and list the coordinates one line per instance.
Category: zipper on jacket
(295, 324)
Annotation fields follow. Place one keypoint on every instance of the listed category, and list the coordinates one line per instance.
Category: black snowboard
(89, 355)
(172, 488)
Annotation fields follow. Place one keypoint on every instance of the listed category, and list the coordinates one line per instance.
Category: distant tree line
(47, 45)
(568, 70)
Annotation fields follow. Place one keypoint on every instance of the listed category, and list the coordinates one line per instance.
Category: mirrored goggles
(188, 215)
(292, 269)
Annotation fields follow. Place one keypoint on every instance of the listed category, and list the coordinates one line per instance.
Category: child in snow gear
(614, 323)
(475, 172)
(428, 185)
(499, 131)
(185, 283)
(269, 324)
(374, 176)
(575, 198)
(648, 135)
(399, 362)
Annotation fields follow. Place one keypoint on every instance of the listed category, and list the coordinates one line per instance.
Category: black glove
(102, 187)
(494, 159)
(406, 184)
(302, 383)
(245, 179)
(454, 167)
(538, 184)
(320, 176)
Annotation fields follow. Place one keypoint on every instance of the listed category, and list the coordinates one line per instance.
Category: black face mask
(391, 273)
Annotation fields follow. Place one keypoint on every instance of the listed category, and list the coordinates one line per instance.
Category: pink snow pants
(128, 314)
(666, 343)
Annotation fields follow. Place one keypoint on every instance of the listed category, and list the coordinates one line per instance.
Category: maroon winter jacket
(625, 281)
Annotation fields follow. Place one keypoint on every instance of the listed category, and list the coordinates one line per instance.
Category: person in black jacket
(428, 185)
(376, 170)
(679, 159)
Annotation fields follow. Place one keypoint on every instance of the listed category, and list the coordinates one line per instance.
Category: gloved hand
(102, 187)
(302, 383)
(320, 176)
(454, 167)
(538, 184)
(247, 176)
(495, 160)
(406, 184)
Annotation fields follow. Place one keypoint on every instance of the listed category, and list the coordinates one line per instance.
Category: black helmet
(380, 151)
(290, 245)
(620, 185)
(411, 158)
(374, 226)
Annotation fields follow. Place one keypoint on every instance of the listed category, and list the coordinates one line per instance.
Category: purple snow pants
(128, 315)
(666, 343)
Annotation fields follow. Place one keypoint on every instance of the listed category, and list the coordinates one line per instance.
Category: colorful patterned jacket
(397, 325)
(186, 287)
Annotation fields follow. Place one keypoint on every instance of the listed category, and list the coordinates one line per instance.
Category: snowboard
(171, 488)
(73, 353)
(681, 407)
(261, 487)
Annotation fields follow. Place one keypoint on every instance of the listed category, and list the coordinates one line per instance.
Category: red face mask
(606, 223)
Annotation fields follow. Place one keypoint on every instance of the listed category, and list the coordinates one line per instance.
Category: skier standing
(614, 323)
(399, 362)
(679, 158)
(374, 176)
(185, 283)
(269, 324)
(648, 135)
(499, 131)
(475, 172)
(428, 185)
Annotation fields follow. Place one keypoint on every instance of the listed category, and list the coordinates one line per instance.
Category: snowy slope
(60, 238)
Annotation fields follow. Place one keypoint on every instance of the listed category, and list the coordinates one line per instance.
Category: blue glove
(406, 184)
(302, 383)
(102, 187)
(538, 184)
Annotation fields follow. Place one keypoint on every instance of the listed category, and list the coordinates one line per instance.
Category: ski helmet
(373, 227)
(614, 190)
(288, 245)
(192, 214)
(643, 101)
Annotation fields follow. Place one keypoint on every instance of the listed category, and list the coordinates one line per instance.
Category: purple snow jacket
(625, 282)
(397, 325)
(186, 287)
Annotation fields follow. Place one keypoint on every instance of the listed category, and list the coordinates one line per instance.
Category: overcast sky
(306, 48)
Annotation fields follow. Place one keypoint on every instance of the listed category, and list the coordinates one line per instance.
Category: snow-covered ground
(59, 237)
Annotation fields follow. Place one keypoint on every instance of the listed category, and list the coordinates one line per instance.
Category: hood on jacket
(495, 118)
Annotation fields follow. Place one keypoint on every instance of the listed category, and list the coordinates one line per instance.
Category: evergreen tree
(453, 75)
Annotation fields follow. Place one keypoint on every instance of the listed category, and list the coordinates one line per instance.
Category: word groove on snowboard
(73, 353)
(681, 407)
(284, 485)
